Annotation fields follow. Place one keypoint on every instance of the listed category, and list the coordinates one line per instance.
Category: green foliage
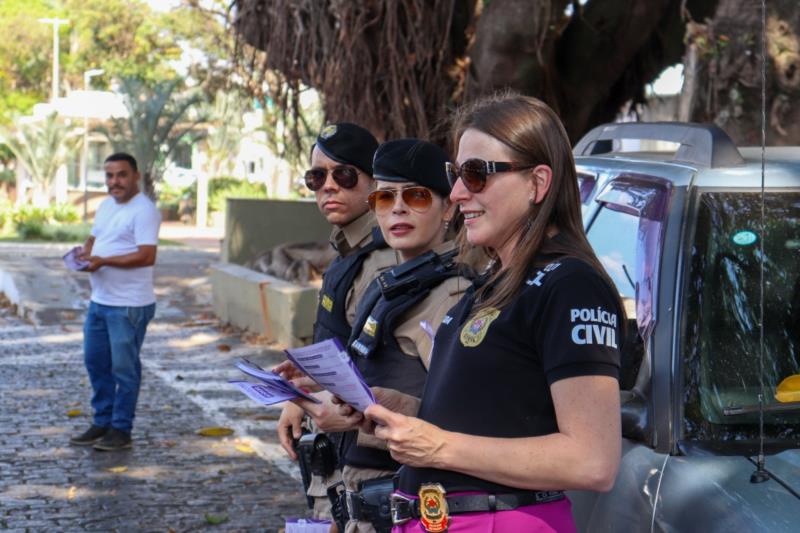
(77, 232)
(55, 223)
(64, 213)
(168, 195)
(126, 38)
(7, 176)
(28, 214)
(160, 117)
(242, 189)
(41, 146)
(223, 187)
(32, 222)
(225, 132)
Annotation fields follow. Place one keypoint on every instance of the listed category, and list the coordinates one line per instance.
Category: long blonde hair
(534, 135)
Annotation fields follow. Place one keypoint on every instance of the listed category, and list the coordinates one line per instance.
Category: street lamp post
(87, 77)
(56, 22)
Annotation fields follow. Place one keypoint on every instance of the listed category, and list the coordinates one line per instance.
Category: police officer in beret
(388, 344)
(341, 178)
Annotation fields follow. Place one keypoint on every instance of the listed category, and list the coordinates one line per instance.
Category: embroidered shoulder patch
(327, 303)
(370, 327)
(474, 331)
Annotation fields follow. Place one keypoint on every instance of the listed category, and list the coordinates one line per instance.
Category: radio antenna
(761, 475)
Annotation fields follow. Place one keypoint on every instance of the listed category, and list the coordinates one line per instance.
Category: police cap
(348, 144)
(413, 160)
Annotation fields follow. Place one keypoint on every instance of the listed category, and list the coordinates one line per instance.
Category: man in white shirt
(121, 252)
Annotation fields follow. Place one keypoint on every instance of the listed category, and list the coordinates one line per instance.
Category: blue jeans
(112, 339)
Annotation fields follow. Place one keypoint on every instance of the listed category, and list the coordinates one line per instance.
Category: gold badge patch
(433, 511)
(327, 303)
(328, 132)
(474, 331)
(370, 326)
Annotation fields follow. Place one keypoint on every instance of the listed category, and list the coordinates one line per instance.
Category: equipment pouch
(375, 497)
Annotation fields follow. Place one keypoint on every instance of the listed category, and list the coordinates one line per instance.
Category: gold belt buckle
(433, 511)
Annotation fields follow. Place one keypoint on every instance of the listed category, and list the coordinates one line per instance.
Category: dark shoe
(114, 440)
(90, 436)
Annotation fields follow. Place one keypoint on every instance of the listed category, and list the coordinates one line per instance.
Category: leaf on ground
(169, 443)
(245, 448)
(71, 492)
(118, 469)
(224, 347)
(216, 519)
(214, 431)
(74, 412)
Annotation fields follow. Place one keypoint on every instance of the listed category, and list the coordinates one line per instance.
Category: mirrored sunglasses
(418, 199)
(474, 172)
(344, 176)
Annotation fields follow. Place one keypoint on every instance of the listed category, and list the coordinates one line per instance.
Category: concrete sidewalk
(34, 280)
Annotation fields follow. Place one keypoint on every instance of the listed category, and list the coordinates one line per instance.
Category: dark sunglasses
(418, 199)
(344, 176)
(473, 172)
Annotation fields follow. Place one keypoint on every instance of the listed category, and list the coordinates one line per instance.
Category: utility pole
(87, 78)
(56, 22)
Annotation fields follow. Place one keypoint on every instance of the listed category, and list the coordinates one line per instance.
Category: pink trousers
(553, 517)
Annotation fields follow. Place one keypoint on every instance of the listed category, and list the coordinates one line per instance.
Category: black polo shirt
(491, 372)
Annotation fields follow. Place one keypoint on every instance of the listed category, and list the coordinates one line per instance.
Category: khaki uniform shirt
(346, 240)
(350, 238)
(410, 336)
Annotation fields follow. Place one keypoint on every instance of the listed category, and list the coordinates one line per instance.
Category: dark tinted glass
(722, 313)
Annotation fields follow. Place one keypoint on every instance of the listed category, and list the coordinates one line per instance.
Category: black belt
(404, 509)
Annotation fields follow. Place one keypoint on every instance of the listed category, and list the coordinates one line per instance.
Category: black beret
(348, 144)
(412, 160)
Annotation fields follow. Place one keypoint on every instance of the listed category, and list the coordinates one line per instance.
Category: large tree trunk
(727, 71)
(585, 66)
(386, 65)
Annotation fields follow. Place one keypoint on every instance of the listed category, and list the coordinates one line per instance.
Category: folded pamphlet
(73, 261)
(307, 525)
(272, 388)
(330, 366)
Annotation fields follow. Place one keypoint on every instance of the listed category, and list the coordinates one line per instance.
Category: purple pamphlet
(307, 525)
(272, 389)
(72, 260)
(330, 366)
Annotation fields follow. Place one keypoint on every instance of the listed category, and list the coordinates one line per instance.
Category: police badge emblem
(433, 512)
(474, 331)
(328, 132)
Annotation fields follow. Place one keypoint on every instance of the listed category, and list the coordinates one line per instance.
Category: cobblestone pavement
(172, 479)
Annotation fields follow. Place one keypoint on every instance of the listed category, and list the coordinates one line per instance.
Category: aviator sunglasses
(344, 176)
(474, 172)
(418, 199)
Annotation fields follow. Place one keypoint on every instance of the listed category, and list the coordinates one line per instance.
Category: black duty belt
(371, 503)
(404, 508)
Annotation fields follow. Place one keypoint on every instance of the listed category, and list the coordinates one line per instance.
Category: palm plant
(159, 118)
(42, 147)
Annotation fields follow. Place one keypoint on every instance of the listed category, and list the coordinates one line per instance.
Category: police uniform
(492, 370)
(362, 255)
(388, 345)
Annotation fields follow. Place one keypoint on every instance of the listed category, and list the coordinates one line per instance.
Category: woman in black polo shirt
(522, 397)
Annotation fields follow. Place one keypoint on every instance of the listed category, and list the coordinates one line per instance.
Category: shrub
(6, 212)
(64, 214)
(237, 189)
(66, 233)
(30, 229)
(28, 215)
